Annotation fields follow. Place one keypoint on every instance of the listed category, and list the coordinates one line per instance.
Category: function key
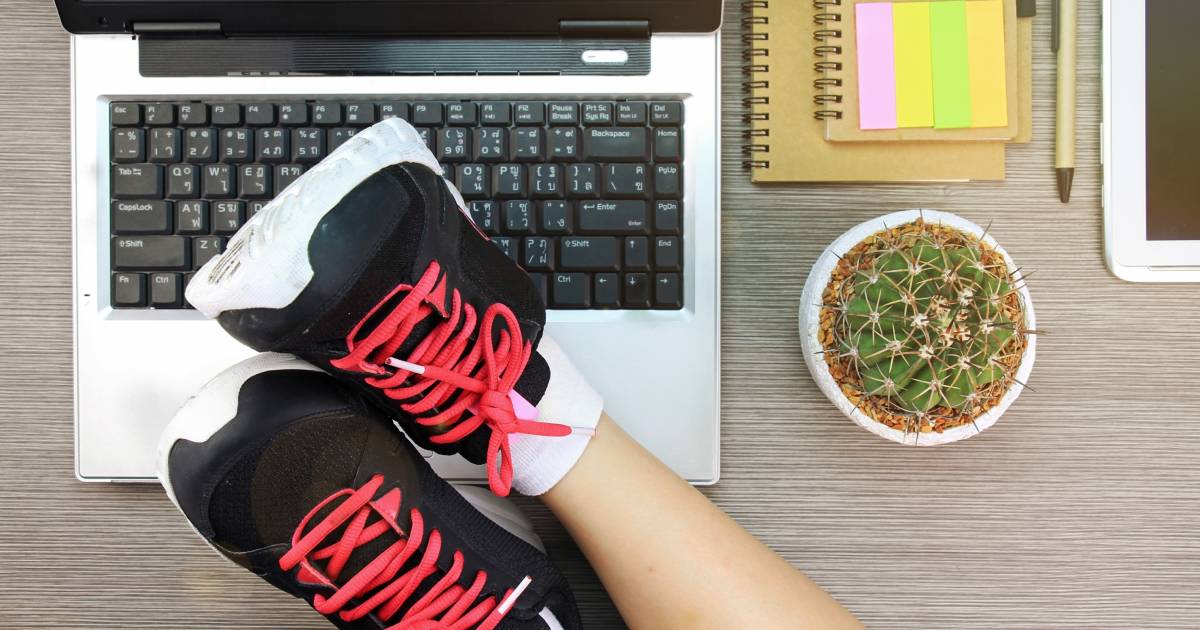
(564, 113)
(427, 113)
(393, 109)
(461, 113)
(125, 114)
(666, 113)
(160, 114)
(128, 290)
(360, 114)
(327, 114)
(495, 113)
(631, 113)
(193, 114)
(597, 113)
(260, 114)
(293, 114)
(226, 114)
(529, 113)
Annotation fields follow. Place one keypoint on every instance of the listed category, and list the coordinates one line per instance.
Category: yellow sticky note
(985, 55)
(914, 65)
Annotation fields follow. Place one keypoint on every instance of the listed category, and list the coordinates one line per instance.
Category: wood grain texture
(1078, 509)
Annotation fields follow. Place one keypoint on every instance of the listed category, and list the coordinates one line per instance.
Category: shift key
(137, 181)
(150, 253)
(598, 253)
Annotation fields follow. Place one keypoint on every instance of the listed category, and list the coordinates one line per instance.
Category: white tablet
(1151, 147)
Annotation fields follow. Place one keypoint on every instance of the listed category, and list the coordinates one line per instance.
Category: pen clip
(1054, 34)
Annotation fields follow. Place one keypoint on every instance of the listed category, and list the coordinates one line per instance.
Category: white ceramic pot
(810, 318)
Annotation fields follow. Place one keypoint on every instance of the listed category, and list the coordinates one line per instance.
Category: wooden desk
(1079, 508)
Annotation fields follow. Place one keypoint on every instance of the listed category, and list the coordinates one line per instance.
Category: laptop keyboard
(587, 196)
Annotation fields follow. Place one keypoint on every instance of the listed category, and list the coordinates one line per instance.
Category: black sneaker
(287, 473)
(368, 268)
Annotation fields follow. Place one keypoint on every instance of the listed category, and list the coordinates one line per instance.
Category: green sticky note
(951, 66)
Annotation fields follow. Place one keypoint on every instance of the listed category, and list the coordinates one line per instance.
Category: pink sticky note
(876, 66)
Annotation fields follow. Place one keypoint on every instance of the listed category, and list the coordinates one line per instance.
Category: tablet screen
(1172, 120)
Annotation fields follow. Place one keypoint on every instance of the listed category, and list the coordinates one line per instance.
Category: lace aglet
(405, 365)
(588, 431)
(508, 602)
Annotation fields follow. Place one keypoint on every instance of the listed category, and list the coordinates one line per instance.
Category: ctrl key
(570, 290)
(128, 290)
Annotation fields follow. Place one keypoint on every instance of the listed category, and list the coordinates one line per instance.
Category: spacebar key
(150, 253)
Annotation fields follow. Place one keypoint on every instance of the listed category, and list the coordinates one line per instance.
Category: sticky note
(914, 65)
(951, 75)
(876, 66)
(985, 57)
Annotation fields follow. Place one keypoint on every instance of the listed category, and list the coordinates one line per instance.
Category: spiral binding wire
(828, 53)
(755, 56)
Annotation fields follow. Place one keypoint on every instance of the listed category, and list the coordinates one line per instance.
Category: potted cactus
(918, 326)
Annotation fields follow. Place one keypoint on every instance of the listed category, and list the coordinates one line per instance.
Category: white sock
(539, 463)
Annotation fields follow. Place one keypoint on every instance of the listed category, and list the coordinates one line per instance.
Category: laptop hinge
(176, 28)
(605, 29)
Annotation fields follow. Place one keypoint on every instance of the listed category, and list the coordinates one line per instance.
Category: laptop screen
(1172, 126)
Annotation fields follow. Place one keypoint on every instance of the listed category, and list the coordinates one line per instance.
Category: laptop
(585, 137)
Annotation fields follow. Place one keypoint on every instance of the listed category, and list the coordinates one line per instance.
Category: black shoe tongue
(362, 556)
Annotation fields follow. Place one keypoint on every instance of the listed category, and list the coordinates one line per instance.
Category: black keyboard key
(328, 114)
(193, 115)
(227, 216)
(596, 114)
(495, 113)
(205, 248)
(667, 219)
(507, 245)
(254, 207)
(606, 292)
(164, 145)
(529, 113)
(570, 290)
(583, 180)
(613, 217)
(308, 145)
(631, 113)
(599, 253)
(538, 253)
(149, 253)
(556, 217)
(285, 174)
(625, 180)
(237, 145)
(183, 181)
(545, 180)
(668, 180)
(141, 217)
(191, 217)
(626, 144)
(360, 114)
(666, 113)
(667, 145)
(160, 114)
(274, 145)
(339, 136)
(427, 113)
(564, 143)
(667, 291)
(491, 144)
(129, 145)
(473, 180)
(200, 145)
(137, 181)
(128, 290)
(485, 216)
(461, 113)
(166, 290)
(429, 137)
(125, 114)
(260, 114)
(667, 254)
(508, 180)
(636, 293)
(254, 182)
(527, 144)
(393, 109)
(637, 253)
(218, 182)
(563, 113)
(539, 282)
(518, 217)
(226, 114)
(293, 114)
(454, 144)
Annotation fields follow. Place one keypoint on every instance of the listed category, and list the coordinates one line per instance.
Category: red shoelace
(441, 367)
(445, 606)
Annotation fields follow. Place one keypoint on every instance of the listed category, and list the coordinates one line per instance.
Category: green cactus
(924, 322)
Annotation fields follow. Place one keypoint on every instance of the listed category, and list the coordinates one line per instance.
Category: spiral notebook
(786, 140)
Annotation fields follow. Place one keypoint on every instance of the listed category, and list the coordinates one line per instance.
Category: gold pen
(1066, 14)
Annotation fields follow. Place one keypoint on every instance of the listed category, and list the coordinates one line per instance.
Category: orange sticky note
(985, 59)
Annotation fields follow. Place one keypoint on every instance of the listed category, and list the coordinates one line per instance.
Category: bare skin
(669, 557)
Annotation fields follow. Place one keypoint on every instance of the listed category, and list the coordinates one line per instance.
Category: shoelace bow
(441, 366)
(445, 606)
